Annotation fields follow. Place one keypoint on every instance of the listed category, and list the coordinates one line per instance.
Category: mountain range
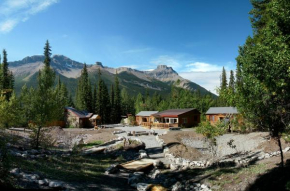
(160, 79)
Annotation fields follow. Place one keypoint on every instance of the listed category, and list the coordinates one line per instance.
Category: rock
(174, 166)
(55, 184)
(154, 173)
(143, 155)
(286, 149)
(34, 176)
(179, 161)
(177, 186)
(112, 169)
(42, 182)
(24, 155)
(158, 164)
(261, 157)
(15, 171)
(143, 186)
(267, 156)
(135, 178)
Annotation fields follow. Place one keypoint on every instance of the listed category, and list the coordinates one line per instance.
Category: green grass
(91, 144)
(70, 169)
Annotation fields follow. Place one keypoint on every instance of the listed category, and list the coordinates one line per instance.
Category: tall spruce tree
(6, 78)
(117, 101)
(84, 91)
(263, 62)
(103, 106)
(44, 106)
(112, 99)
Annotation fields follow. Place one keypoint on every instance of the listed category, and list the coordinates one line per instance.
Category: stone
(143, 155)
(174, 166)
(55, 184)
(142, 151)
(34, 176)
(286, 149)
(143, 186)
(112, 169)
(267, 156)
(154, 173)
(261, 157)
(179, 161)
(158, 164)
(177, 186)
(15, 171)
(135, 178)
(42, 182)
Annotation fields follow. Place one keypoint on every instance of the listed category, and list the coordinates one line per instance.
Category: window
(212, 118)
(195, 118)
(184, 120)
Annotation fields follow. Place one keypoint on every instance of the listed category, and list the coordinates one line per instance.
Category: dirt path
(153, 148)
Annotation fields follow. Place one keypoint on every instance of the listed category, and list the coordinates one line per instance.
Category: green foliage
(211, 131)
(263, 64)
(103, 104)
(6, 78)
(9, 111)
(117, 101)
(84, 92)
(41, 137)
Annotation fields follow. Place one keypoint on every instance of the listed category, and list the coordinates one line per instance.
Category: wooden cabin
(77, 119)
(145, 118)
(177, 118)
(215, 114)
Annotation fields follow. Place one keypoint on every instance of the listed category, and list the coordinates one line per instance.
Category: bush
(211, 131)
(45, 139)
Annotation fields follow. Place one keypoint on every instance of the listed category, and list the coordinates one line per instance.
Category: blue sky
(195, 37)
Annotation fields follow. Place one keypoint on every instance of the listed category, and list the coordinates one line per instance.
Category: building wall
(71, 120)
(192, 117)
(214, 118)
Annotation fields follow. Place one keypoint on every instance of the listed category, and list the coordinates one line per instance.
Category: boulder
(55, 184)
(143, 186)
(174, 166)
(158, 164)
(15, 171)
(112, 169)
(177, 187)
(143, 155)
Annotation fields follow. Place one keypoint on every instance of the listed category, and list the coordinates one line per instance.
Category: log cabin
(215, 114)
(177, 118)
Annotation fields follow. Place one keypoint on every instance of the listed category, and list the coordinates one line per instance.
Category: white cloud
(167, 60)
(209, 80)
(202, 67)
(8, 25)
(12, 12)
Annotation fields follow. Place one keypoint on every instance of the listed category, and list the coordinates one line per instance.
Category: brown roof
(79, 114)
(173, 112)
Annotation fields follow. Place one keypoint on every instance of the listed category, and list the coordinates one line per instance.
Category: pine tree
(117, 101)
(112, 99)
(224, 82)
(6, 78)
(103, 105)
(232, 81)
(84, 91)
(44, 106)
(263, 68)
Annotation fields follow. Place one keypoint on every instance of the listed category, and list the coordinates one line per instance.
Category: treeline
(47, 101)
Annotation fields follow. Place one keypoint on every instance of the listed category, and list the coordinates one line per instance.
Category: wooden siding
(192, 117)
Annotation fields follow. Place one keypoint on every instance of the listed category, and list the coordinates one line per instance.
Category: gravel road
(153, 148)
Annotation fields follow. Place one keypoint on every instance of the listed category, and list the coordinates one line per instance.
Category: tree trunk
(281, 152)
(37, 137)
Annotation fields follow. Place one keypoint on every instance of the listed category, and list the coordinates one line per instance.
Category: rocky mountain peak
(99, 64)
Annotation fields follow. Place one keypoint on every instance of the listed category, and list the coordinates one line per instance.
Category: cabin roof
(146, 113)
(79, 114)
(173, 112)
(222, 110)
